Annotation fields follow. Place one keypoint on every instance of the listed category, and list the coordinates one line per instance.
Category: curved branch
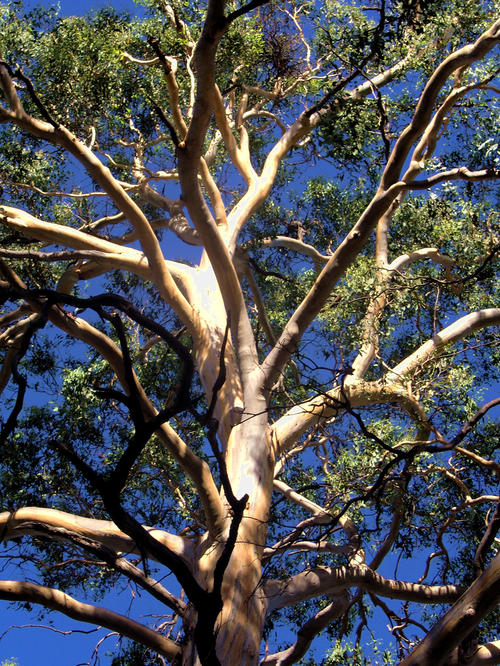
(117, 255)
(12, 590)
(464, 326)
(461, 173)
(25, 521)
(461, 58)
(307, 633)
(295, 245)
(321, 581)
(386, 196)
(463, 617)
(193, 465)
(431, 253)
(486, 655)
(61, 136)
(358, 393)
(370, 334)
(239, 157)
(115, 561)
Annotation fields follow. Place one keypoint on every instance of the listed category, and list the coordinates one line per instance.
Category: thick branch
(486, 655)
(115, 561)
(461, 173)
(321, 581)
(189, 160)
(24, 522)
(358, 393)
(116, 255)
(387, 193)
(464, 326)
(59, 135)
(463, 617)
(461, 58)
(12, 590)
(307, 633)
(194, 466)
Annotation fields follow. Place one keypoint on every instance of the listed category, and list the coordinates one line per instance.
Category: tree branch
(25, 521)
(455, 61)
(308, 632)
(463, 617)
(12, 590)
(462, 327)
(328, 580)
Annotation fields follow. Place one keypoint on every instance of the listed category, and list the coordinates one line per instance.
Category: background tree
(248, 279)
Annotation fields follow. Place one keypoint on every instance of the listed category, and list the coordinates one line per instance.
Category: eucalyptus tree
(248, 332)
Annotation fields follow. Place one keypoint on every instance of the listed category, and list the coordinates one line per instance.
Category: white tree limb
(12, 590)
(24, 521)
(464, 326)
(331, 580)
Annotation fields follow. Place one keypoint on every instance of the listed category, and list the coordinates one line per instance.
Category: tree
(248, 278)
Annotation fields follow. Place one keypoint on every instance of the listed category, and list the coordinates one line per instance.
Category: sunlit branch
(308, 632)
(25, 521)
(461, 173)
(304, 415)
(194, 466)
(486, 655)
(239, 157)
(387, 193)
(487, 464)
(480, 599)
(321, 516)
(463, 57)
(302, 127)
(169, 66)
(62, 602)
(331, 580)
(431, 253)
(295, 245)
(59, 135)
(114, 560)
(128, 258)
(464, 326)
(189, 157)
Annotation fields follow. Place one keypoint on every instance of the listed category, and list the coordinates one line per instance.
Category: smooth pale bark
(250, 465)
(486, 655)
(462, 58)
(25, 521)
(481, 598)
(307, 633)
(194, 466)
(357, 393)
(13, 590)
(101, 174)
(389, 188)
(475, 321)
(328, 580)
(117, 256)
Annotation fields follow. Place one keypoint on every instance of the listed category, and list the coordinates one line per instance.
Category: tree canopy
(249, 328)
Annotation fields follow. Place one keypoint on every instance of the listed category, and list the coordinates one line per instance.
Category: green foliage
(135, 655)
(348, 654)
